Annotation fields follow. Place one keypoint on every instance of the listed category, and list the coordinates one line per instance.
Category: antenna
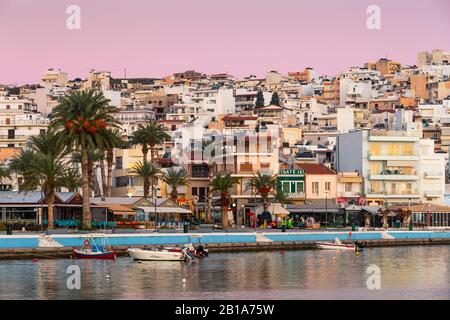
(125, 73)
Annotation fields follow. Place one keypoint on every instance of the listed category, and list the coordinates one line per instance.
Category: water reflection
(407, 273)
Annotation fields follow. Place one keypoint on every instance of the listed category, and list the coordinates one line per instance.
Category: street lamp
(326, 210)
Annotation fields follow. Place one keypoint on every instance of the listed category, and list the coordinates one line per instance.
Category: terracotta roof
(314, 168)
(8, 153)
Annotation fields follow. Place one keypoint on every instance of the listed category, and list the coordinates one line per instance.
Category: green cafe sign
(292, 171)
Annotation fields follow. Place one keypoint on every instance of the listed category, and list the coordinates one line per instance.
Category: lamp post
(326, 210)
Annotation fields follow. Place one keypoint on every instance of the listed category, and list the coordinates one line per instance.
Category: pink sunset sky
(154, 38)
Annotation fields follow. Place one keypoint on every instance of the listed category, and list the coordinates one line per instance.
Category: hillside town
(364, 148)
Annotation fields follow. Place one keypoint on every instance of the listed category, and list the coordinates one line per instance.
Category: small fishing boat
(95, 247)
(336, 245)
(159, 255)
(198, 252)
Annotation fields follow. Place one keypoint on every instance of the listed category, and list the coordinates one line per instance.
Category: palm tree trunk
(103, 177)
(144, 152)
(50, 202)
(85, 189)
(109, 160)
(174, 194)
(146, 187)
(225, 217)
(152, 153)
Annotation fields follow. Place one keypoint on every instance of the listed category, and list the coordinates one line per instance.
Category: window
(119, 163)
(407, 149)
(375, 149)
(348, 187)
(315, 188)
(121, 181)
(200, 171)
(300, 187)
(394, 188)
(285, 187)
(328, 186)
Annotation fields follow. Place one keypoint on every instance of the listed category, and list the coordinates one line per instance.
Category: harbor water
(404, 273)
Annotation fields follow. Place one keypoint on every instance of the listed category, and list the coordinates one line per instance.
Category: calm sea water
(406, 273)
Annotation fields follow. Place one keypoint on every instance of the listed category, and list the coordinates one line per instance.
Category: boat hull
(335, 246)
(147, 255)
(86, 254)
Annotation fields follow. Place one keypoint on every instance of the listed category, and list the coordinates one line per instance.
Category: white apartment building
(214, 102)
(398, 167)
(19, 121)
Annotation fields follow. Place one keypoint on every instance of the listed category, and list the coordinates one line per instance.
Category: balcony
(433, 175)
(13, 138)
(394, 175)
(401, 136)
(296, 195)
(433, 194)
(246, 167)
(412, 193)
(387, 157)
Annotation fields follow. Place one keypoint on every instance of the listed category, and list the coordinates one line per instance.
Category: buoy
(357, 253)
(34, 260)
(281, 252)
(107, 276)
(183, 280)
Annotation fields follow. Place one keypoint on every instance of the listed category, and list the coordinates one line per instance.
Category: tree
(222, 184)
(262, 184)
(150, 135)
(148, 171)
(4, 173)
(21, 162)
(174, 179)
(115, 141)
(259, 100)
(47, 171)
(275, 101)
(72, 179)
(81, 121)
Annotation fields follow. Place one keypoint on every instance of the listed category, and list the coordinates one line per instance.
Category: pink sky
(154, 38)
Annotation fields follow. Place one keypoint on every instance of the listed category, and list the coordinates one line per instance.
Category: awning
(119, 209)
(164, 210)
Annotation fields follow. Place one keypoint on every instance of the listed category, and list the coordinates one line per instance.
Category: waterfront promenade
(50, 245)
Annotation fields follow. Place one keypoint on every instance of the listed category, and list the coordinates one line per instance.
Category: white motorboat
(158, 255)
(336, 245)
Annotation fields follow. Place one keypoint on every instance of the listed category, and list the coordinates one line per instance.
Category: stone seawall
(65, 252)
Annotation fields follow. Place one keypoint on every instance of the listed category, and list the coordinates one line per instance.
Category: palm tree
(47, 171)
(4, 173)
(222, 184)
(115, 141)
(262, 184)
(21, 162)
(174, 179)
(72, 179)
(48, 174)
(150, 135)
(81, 120)
(148, 171)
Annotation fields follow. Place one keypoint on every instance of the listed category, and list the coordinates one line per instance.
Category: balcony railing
(246, 167)
(15, 137)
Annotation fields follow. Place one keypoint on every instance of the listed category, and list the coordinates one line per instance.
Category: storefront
(291, 182)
